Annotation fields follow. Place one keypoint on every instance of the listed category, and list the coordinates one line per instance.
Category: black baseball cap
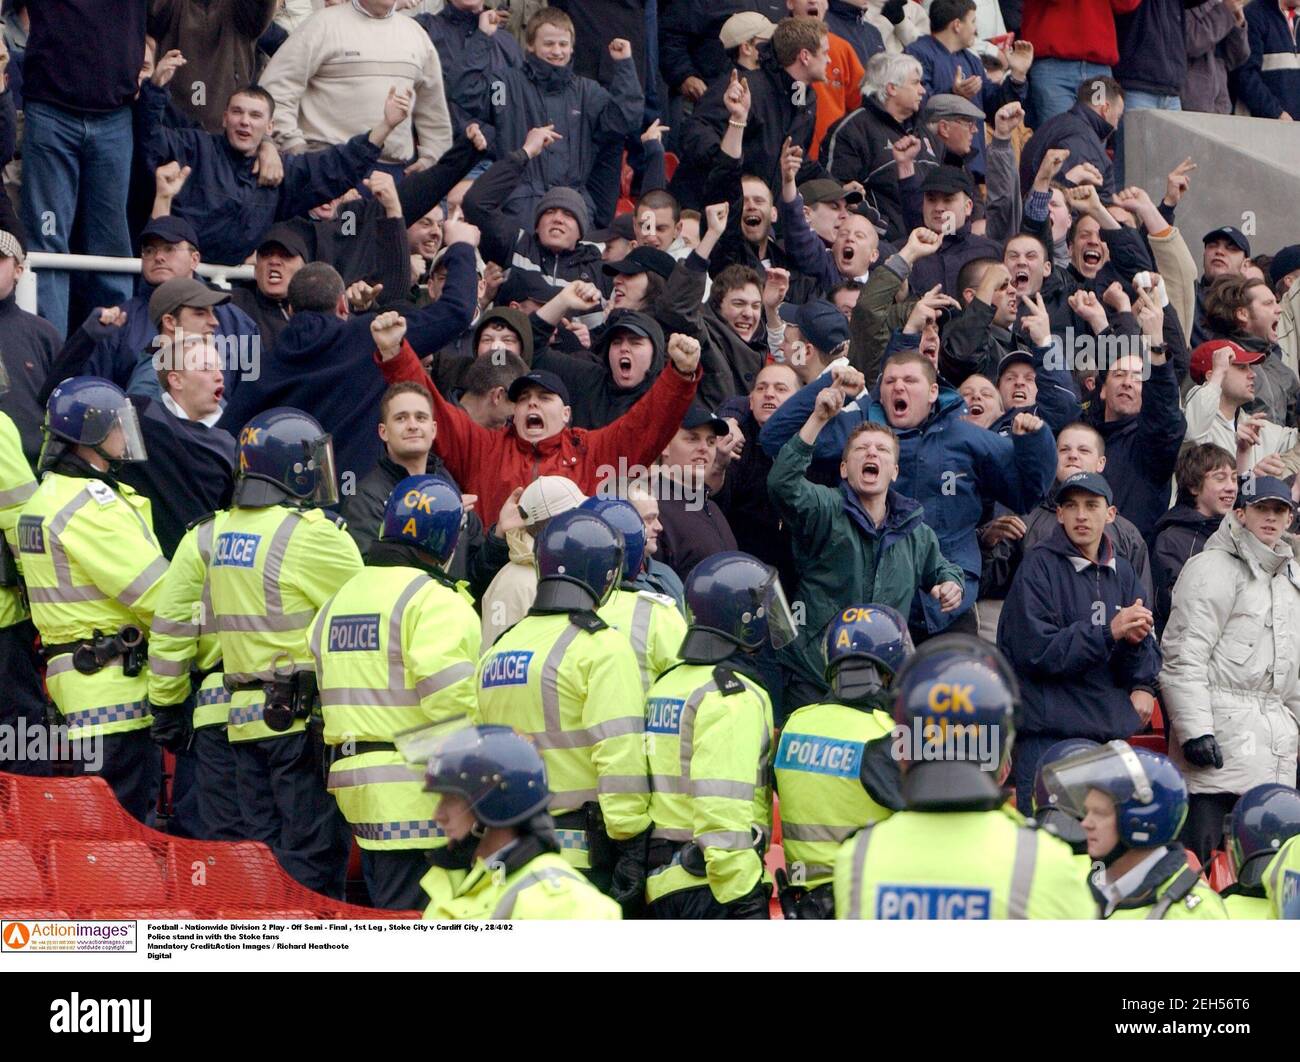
(620, 228)
(1090, 482)
(698, 416)
(825, 190)
(169, 229)
(524, 284)
(547, 381)
(1013, 357)
(1286, 260)
(288, 238)
(1233, 235)
(1256, 489)
(642, 260)
(819, 322)
(948, 179)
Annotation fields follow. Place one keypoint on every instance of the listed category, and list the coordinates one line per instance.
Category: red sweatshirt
(492, 463)
(1074, 29)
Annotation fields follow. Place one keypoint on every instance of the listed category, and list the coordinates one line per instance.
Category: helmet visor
(1113, 769)
(322, 462)
(123, 440)
(781, 627)
(419, 744)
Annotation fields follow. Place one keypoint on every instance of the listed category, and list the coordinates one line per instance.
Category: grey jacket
(1232, 650)
(1215, 46)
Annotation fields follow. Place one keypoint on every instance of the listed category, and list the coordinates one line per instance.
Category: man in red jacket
(539, 441)
(1073, 40)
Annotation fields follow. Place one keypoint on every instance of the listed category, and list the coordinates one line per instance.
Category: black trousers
(692, 904)
(23, 698)
(285, 805)
(393, 877)
(1203, 830)
(130, 763)
(214, 773)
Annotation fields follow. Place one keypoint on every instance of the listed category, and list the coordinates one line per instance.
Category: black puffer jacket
(1180, 535)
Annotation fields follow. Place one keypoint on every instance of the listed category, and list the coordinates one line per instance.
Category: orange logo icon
(17, 935)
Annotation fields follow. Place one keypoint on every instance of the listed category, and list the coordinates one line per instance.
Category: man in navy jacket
(1078, 633)
(222, 198)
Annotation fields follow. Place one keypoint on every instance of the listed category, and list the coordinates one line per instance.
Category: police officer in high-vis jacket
(395, 649)
(1260, 823)
(493, 813)
(570, 681)
(1049, 817)
(650, 621)
(709, 734)
(23, 705)
(955, 852)
(834, 770)
(274, 559)
(93, 571)
(1132, 803)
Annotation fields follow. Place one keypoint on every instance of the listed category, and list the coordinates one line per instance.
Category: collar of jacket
(878, 111)
(1145, 894)
(546, 77)
(900, 513)
(1059, 542)
(462, 20)
(69, 464)
(382, 554)
(945, 406)
(1254, 343)
(846, 11)
(1232, 537)
(1104, 130)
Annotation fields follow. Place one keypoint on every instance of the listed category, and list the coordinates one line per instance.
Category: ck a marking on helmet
(77, 1015)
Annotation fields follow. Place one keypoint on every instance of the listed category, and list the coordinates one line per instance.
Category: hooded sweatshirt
(448, 366)
(595, 397)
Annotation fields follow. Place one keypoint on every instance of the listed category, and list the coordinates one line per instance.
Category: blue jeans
(1137, 100)
(76, 167)
(1054, 86)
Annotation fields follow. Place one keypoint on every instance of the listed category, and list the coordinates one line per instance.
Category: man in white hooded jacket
(1230, 683)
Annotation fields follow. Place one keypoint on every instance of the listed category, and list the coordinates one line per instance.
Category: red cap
(1203, 357)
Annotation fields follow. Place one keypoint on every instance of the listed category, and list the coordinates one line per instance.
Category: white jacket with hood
(1232, 660)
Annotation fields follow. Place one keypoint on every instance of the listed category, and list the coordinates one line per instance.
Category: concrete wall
(1248, 172)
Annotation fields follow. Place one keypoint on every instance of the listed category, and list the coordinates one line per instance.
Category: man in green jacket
(863, 542)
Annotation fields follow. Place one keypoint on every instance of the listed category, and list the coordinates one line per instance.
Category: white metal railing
(25, 290)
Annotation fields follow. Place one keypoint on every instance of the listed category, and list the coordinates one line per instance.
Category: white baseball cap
(548, 496)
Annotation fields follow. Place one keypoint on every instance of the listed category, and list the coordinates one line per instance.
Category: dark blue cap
(642, 260)
(1231, 234)
(1256, 489)
(1092, 482)
(819, 321)
(170, 230)
(539, 378)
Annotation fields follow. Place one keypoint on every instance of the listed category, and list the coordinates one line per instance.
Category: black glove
(754, 904)
(627, 885)
(1203, 751)
(893, 10)
(172, 726)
